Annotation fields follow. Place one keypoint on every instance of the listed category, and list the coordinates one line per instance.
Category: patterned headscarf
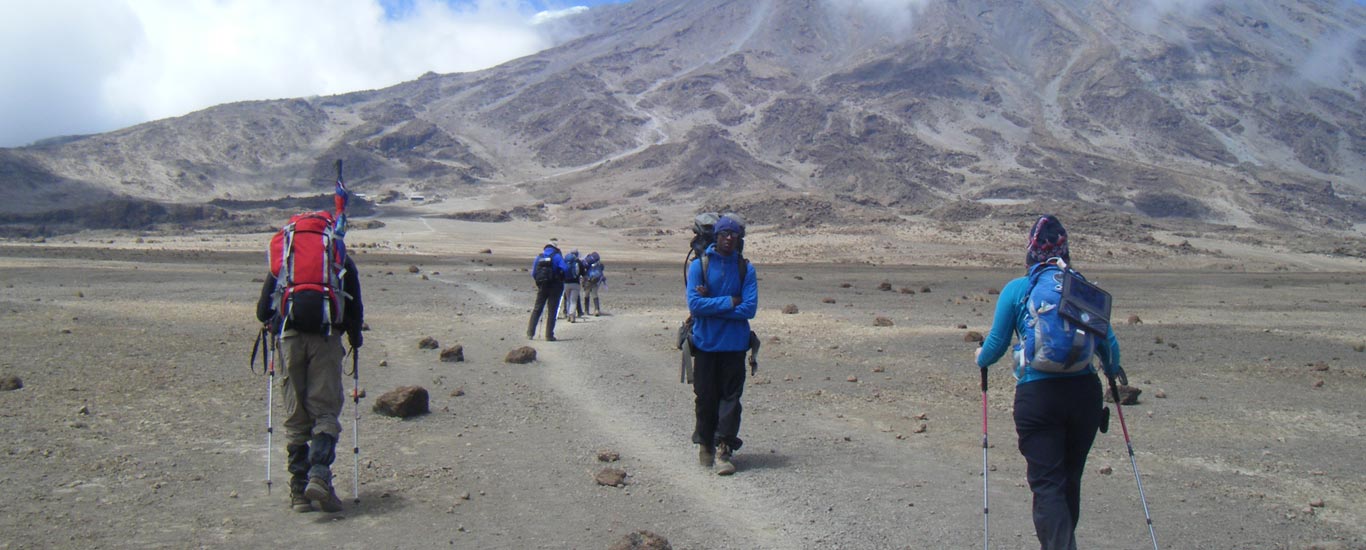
(1047, 239)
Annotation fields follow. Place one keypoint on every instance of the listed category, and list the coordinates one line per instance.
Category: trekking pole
(1114, 392)
(355, 424)
(270, 399)
(985, 509)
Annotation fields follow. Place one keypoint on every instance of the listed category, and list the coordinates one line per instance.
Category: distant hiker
(723, 295)
(573, 269)
(1058, 406)
(311, 296)
(594, 279)
(548, 273)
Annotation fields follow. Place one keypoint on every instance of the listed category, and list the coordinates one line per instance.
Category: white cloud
(77, 66)
(892, 15)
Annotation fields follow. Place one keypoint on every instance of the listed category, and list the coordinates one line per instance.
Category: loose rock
(403, 402)
(611, 477)
(428, 343)
(608, 455)
(9, 383)
(972, 336)
(1128, 395)
(882, 322)
(1134, 320)
(453, 354)
(521, 356)
(641, 540)
(790, 309)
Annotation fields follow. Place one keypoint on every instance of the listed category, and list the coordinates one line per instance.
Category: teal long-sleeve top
(1009, 321)
(717, 325)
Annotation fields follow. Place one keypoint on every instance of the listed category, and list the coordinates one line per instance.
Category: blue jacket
(555, 258)
(1010, 318)
(717, 326)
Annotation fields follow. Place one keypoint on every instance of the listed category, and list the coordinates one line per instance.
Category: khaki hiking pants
(312, 384)
(590, 292)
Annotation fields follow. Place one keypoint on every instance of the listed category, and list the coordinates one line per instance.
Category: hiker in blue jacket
(548, 271)
(721, 303)
(1056, 414)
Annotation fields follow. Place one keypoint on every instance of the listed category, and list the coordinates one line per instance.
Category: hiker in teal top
(1056, 414)
(723, 295)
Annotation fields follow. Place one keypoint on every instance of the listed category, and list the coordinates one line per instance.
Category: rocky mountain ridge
(1250, 116)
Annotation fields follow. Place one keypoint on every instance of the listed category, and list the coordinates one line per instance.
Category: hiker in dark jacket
(721, 307)
(1056, 414)
(549, 287)
(311, 358)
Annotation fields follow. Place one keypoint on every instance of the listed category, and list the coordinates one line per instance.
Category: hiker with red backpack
(1058, 404)
(547, 271)
(311, 297)
(722, 295)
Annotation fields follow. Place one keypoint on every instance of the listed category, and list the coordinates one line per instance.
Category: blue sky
(90, 66)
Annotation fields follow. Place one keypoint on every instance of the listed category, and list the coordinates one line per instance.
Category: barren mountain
(1246, 114)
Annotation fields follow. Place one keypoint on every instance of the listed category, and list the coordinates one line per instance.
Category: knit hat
(727, 223)
(1047, 239)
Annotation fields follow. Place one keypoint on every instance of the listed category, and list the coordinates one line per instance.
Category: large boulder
(641, 540)
(403, 402)
(522, 355)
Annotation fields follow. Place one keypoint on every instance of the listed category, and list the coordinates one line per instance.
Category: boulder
(453, 354)
(522, 355)
(8, 383)
(611, 477)
(641, 540)
(403, 402)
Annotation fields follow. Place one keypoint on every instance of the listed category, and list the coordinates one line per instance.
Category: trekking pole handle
(984, 371)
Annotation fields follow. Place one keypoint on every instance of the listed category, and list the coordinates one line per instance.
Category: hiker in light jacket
(1056, 414)
(721, 307)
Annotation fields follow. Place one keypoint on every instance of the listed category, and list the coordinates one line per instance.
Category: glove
(1116, 373)
(355, 338)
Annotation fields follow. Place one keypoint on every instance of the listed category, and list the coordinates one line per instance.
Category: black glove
(354, 337)
(1116, 373)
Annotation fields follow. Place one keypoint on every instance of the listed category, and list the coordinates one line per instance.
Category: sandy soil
(140, 425)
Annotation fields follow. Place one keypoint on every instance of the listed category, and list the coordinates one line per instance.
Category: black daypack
(544, 270)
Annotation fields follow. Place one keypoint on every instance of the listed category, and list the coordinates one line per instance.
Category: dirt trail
(139, 425)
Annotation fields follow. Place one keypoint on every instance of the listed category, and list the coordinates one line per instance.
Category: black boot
(321, 454)
(597, 306)
(298, 477)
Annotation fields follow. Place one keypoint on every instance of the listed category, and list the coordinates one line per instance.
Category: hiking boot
(550, 338)
(299, 503)
(706, 456)
(320, 489)
(724, 467)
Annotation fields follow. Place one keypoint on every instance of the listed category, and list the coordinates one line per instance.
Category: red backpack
(307, 259)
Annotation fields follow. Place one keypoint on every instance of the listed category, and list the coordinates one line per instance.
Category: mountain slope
(1249, 115)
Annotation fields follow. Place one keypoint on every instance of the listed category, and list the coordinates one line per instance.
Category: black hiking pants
(1056, 420)
(718, 383)
(546, 295)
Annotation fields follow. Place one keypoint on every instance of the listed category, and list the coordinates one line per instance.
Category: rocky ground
(139, 423)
